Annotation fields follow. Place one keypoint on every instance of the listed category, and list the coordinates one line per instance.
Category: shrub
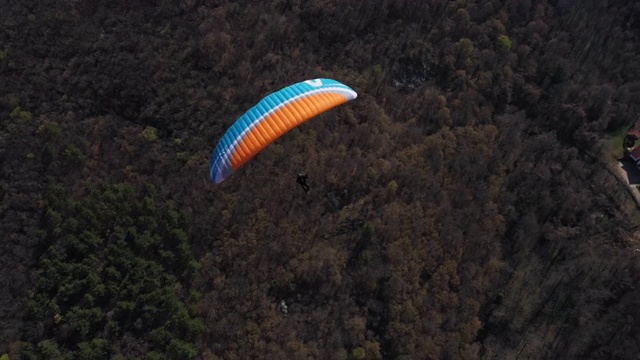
(358, 353)
(150, 133)
(392, 187)
(505, 42)
(20, 114)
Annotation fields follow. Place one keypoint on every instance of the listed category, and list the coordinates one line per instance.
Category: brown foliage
(455, 210)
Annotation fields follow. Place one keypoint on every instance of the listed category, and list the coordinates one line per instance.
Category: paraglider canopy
(271, 118)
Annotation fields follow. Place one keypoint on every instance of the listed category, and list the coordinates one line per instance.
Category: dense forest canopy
(462, 207)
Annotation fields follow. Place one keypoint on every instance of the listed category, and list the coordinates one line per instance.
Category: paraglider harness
(302, 180)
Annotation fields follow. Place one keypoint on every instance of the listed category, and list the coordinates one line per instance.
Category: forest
(464, 206)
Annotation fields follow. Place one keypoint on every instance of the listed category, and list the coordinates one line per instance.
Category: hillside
(459, 207)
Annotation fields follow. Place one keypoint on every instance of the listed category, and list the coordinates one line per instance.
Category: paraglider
(271, 118)
(302, 180)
